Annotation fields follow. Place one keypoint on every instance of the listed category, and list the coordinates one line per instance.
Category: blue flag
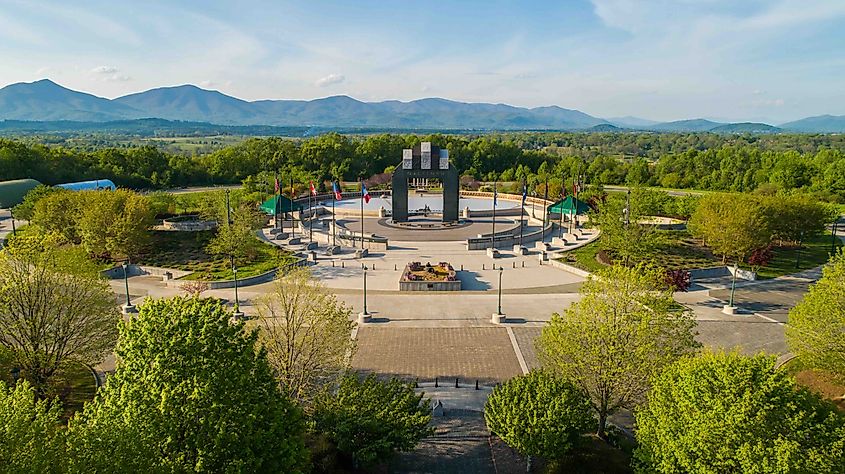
(524, 192)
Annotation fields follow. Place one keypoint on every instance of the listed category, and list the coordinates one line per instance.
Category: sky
(773, 60)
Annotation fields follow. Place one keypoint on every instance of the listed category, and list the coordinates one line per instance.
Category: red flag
(364, 193)
(336, 191)
(313, 190)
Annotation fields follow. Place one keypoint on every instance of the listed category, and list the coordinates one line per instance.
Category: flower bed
(428, 277)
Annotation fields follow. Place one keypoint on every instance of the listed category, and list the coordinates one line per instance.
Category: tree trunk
(601, 432)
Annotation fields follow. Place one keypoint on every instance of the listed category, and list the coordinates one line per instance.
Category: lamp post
(498, 316)
(730, 308)
(364, 316)
(832, 236)
(16, 373)
(128, 307)
(15, 231)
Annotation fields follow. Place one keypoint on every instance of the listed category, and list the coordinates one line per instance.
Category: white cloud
(330, 80)
(207, 83)
(117, 78)
(104, 70)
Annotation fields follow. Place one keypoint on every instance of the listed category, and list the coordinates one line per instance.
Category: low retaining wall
(138, 270)
(507, 239)
(715, 272)
(430, 285)
(569, 268)
(187, 224)
(249, 281)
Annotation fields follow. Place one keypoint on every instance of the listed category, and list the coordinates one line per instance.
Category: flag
(495, 195)
(336, 191)
(365, 195)
(277, 185)
(313, 189)
(524, 192)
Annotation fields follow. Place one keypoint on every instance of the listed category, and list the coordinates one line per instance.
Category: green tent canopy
(568, 206)
(285, 205)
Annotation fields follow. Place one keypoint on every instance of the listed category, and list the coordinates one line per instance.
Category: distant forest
(810, 163)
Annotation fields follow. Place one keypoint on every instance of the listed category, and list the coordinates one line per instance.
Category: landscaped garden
(188, 251)
(416, 271)
(680, 251)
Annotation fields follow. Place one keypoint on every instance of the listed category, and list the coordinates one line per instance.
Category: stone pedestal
(361, 253)
(493, 253)
(520, 250)
(543, 256)
(728, 309)
(498, 318)
(558, 242)
(364, 318)
(467, 213)
(542, 246)
(382, 212)
(166, 276)
(238, 315)
(570, 237)
(128, 309)
(332, 249)
(312, 256)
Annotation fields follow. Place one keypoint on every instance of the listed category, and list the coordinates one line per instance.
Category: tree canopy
(621, 333)
(721, 412)
(817, 323)
(539, 414)
(192, 391)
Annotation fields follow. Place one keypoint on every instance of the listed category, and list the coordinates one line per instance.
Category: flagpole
(545, 209)
(562, 197)
(310, 217)
(522, 211)
(292, 218)
(334, 199)
(276, 207)
(493, 238)
(362, 214)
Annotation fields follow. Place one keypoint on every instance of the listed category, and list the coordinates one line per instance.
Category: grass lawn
(814, 252)
(73, 386)
(186, 251)
(682, 252)
(818, 381)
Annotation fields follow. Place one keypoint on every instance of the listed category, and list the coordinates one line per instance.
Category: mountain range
(44, 101)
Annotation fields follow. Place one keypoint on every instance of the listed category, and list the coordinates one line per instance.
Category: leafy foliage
(31, 439)
(817, 322)
(368, 419)
(623, 235)
(306, 332)
(677, 280)
(54, 308)
(722, 412)
(191, 392)
(539, 414)
(620, 334)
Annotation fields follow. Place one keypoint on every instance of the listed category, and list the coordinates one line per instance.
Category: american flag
(313, 189)
(336, 191)
(364, 193)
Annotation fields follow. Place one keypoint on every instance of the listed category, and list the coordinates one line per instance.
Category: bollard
(482, 266)
(332, 263)
(523, 264)
(362, 266)
(456, 383)
(374, 266)
(394, 267)
(514, 264)
(341, 264)
(476, 384)
(435, 382)
(416, 383)
(462, 267)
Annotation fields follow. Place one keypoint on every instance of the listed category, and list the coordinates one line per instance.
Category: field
(818, 381)
(186, 251)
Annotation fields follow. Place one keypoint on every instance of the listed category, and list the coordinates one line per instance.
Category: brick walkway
(467, 353)
(525, 338)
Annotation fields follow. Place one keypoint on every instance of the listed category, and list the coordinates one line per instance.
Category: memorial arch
(430, 162)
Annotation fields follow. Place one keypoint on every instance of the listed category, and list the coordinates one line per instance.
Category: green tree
(539, 414)
(26, 209)
(733, 225)
(368, 419)
(30, 431)
(623, 235)
(721, 412)
(307, 334)
(621, 333)
(192, 391)
(817, 322)
(55, 308)
(114, 223)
